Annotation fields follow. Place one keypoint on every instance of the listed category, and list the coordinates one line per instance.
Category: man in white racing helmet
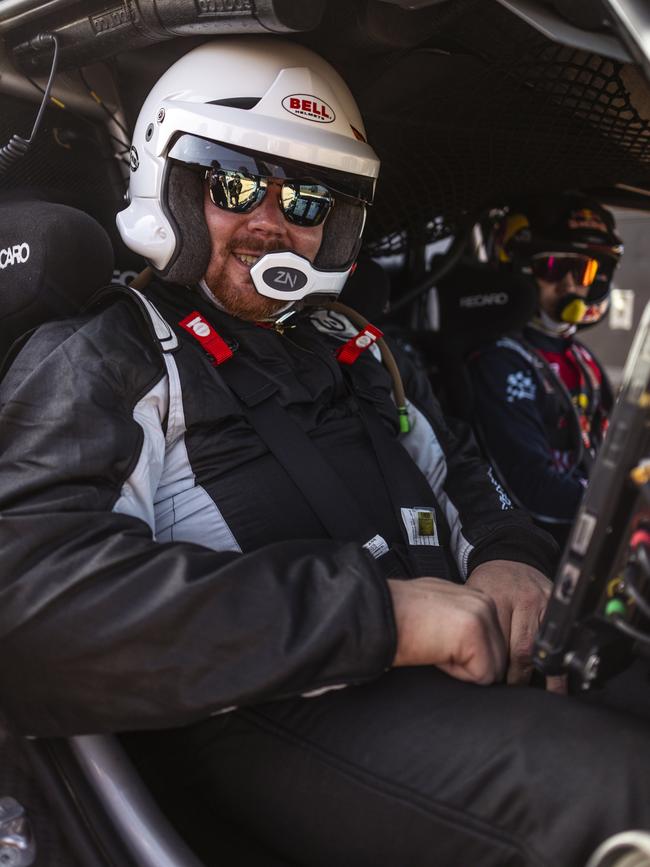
(237, 527)
(297, 134)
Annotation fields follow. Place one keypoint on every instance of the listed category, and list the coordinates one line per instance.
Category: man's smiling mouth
(246, 259)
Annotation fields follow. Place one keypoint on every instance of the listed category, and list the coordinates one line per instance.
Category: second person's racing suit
(541, 404)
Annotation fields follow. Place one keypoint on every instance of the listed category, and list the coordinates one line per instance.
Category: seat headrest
(367, 289)
(52, 259)
(477, 302)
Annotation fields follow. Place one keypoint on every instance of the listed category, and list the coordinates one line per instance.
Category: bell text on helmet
(309, 107)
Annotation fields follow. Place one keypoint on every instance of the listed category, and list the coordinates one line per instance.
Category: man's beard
(241, 298)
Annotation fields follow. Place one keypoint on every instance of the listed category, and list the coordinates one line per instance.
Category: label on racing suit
(376, 546)
(420, 526)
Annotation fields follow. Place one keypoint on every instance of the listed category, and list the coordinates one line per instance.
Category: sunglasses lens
(553, 268)
(305, 204)
(589, 272)
(235, 191)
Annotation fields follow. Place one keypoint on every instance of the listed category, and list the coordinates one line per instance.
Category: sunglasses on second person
(304, 203)
(554, 267)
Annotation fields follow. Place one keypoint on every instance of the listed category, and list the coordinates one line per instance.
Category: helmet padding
(184, 201)
(342, 235)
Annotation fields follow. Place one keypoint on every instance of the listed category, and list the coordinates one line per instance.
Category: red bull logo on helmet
(585, 218)
(309, 107)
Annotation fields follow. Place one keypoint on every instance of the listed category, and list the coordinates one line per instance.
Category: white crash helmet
(267, 100)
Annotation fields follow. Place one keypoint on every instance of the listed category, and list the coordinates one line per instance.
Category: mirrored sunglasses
(303, 202)
(553, 267)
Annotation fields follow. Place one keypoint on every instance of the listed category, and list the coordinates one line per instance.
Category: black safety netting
(71, 160)
(487, 109)
(69, 153)
(466, 104)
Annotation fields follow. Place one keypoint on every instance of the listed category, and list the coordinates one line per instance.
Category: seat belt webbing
(324, 490)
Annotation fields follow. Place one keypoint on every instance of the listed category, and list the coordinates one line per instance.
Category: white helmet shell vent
(271, 99)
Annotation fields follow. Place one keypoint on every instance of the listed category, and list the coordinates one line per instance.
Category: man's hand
(451, 626)
(520, 593)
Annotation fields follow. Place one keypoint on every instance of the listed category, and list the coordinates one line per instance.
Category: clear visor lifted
(205, 153)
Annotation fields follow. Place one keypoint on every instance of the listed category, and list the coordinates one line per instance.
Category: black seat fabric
(479, 302)
(52, 260)
(367, 289)
(472, 305)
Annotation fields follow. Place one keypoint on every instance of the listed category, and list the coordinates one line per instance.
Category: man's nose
(576, 287)
(267, 217)
(569, 282)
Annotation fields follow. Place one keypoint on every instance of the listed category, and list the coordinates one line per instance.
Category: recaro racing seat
(473, 304)
(53, 258)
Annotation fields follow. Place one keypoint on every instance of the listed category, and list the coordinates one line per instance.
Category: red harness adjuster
(201, 330)
(350, 351)
(640, 537)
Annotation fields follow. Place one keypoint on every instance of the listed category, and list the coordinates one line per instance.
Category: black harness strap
(301, 459)
(550, 380)
(583, 457)
(332, 502)
(401, 482)
(327, 494)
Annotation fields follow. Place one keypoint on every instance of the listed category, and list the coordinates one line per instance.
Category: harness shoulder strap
(158, 327)
(521, 348)
(606, 390)
(583, 457)
(164, 337)
(324, 490)
(327, 494)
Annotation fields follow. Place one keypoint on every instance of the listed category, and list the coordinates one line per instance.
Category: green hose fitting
(615, 607)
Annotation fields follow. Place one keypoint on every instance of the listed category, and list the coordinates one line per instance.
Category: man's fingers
(521, 594)
(488, 623)
(557, 684)
(497, 644)
(520, 663)
(523, 628)
(519, 674)
(448, 625)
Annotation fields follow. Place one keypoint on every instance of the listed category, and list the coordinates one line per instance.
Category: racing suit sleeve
(483, 522)
(104, 629)
(508, 411)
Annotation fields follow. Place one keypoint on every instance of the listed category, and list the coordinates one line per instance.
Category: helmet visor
(205, 153)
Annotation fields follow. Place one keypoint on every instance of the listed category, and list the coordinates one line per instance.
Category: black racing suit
(160, 568)
(145, 520)
(541, 404)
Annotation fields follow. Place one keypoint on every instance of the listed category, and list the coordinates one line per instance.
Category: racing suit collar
(544, 323)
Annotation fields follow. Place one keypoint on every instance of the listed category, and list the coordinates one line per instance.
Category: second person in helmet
(542, 399)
